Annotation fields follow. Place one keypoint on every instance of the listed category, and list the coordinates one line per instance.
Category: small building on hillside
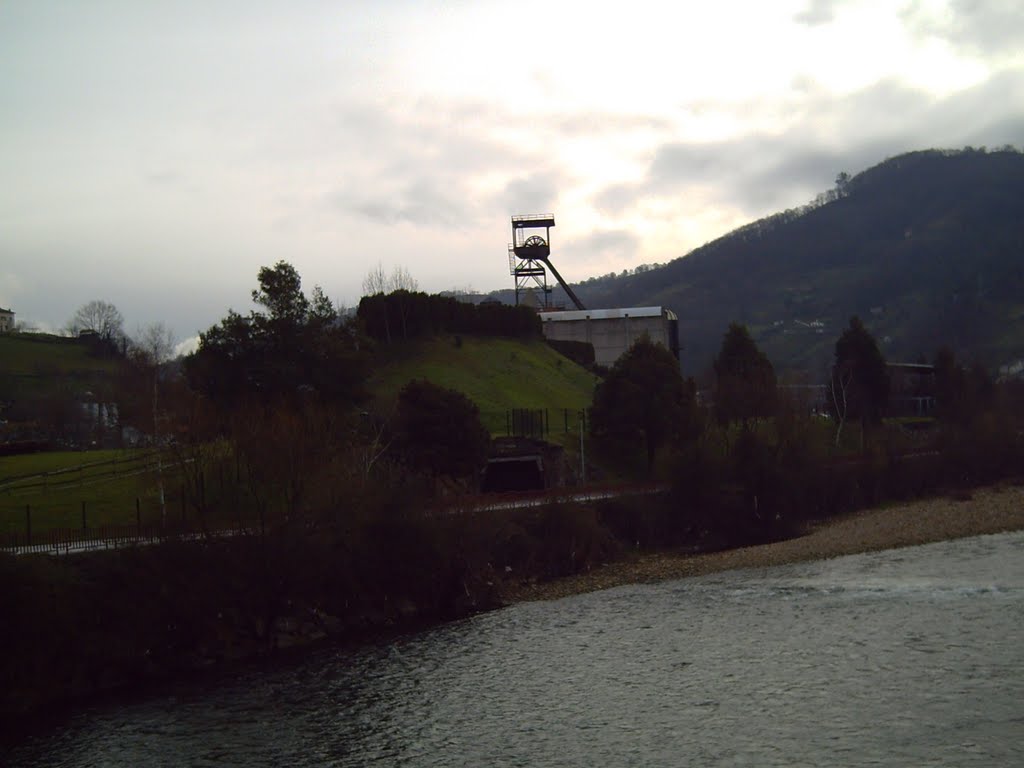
(612, 331)
(6, 320)
(911, 389)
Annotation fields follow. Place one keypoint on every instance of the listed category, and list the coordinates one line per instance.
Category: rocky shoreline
(995, 509)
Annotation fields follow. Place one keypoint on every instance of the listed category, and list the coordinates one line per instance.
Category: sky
(155, 155)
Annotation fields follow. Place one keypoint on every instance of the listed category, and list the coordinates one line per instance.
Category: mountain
(927, 248)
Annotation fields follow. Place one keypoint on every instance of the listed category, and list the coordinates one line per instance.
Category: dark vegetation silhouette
(418, 315)
(644, 402)
(745, 384)
(296, 347)
(438, 431)
(858, 385)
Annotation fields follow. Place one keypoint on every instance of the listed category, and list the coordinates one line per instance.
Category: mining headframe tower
(529, 259)
(610, 331)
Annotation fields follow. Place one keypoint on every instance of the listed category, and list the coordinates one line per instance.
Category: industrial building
(612, 331)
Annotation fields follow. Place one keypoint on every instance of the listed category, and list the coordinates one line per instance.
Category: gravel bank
(989, 510)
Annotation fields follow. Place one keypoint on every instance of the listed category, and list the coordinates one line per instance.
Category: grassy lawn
(113, 486)
(26, 354)
(496, 374)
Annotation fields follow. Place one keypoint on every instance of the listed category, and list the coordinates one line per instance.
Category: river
(905, 657)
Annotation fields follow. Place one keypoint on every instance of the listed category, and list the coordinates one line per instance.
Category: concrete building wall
(613, 331)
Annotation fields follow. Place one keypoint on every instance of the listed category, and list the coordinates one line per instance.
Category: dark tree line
(404, 315)
(767, 461)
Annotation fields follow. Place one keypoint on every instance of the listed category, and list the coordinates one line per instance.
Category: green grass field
(55, 486)
(496, 374)
(35, 364)
(29, 354)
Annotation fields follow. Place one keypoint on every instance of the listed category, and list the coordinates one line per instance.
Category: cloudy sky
(156, 154)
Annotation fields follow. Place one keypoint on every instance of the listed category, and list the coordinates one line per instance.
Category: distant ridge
(927, 247)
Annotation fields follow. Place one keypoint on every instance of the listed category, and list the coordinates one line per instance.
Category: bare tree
(100, 317)
(379, 281)
(839, 388)
(152, 347)
(402, 280)
(154, 344)
(376, 281)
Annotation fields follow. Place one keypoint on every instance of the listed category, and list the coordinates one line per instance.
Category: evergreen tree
(859, 384)
(645, 398)
(745, 382)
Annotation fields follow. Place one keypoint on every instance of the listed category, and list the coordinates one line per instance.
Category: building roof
(606, 314)
(6, 311)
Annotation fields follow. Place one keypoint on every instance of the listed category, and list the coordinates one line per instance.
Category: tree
(439, 431)
(859, 384)
(280, 292)
(399, 286)
(152, 348)
(745, 383)
(154, 344)
(842, 184)
(646, 397)
(99, 317)
(297, 347)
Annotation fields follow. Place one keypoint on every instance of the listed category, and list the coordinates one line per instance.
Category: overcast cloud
(156, 155)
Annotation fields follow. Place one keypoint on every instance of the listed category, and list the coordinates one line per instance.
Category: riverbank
(995, 509)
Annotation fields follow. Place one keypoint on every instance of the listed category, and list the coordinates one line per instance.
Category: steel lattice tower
(529, 257)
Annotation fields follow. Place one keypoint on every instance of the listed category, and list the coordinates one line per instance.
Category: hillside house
(6, 320)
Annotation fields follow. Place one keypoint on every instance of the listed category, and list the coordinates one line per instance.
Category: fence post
(583, 451)
(138, 517)
(83, 517)
(28, 525)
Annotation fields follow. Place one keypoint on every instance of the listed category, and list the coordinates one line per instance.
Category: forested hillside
(927, 248)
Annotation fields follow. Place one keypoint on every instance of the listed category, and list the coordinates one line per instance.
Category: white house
(6, 320)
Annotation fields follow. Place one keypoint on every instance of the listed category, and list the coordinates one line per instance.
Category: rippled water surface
(908, 657)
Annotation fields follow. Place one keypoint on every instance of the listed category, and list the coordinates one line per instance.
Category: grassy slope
(31, 364)
(496, 374)
(31, 354)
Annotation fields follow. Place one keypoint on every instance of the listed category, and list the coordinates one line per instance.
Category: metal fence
(541, 423)
(85, 474)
